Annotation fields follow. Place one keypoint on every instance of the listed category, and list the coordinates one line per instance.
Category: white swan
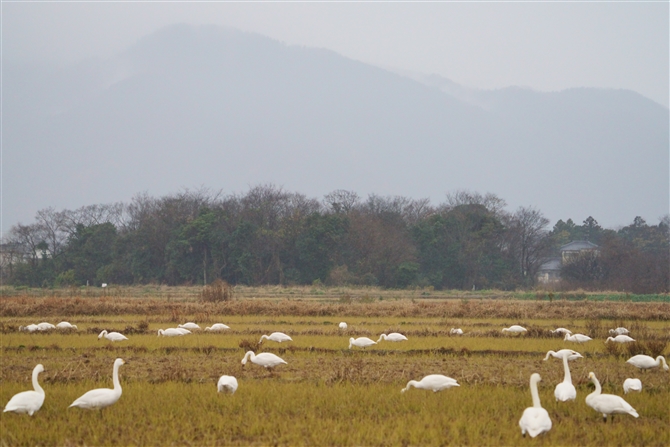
(102, 397)
(607, 403)
(565, 390)
(184, 331)
(190, 326)
(217, 327)
(342, 325)
(577, 338)
(561, 330)
(170, 332)
(28, 401)
(66, 325)
(393, 336)
(458, 331)
(275, 336)
(433, 382)
(112, 336)
(515, 329)
(572, 355)
(535, 419)
(620, 331)
(264, 359)
(45, 327)
(620, 339)
(29, 328)
(227, 384)
(632, 385)
(361, 342)
(645, 362)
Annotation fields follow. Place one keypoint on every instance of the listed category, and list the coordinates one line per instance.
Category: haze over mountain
(190, 106)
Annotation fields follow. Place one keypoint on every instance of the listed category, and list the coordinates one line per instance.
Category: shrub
(217, 291)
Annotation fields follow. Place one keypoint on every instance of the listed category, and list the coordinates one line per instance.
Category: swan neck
(115, 377)
(567, 378)
(410, 384)
(598, 389)
(660, 359)
(36, 384)
(548, 354)
(534, 394)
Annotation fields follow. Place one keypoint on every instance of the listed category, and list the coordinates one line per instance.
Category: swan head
(39, 368)
(535, 377)
(119, 362)
(246, 356)
(592, 377)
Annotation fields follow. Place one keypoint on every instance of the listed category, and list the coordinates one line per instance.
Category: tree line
(270, 236)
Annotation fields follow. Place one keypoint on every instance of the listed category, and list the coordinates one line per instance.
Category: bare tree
(341, 201)
(529, 241)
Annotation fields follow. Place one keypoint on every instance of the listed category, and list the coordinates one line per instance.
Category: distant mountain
(190, 106)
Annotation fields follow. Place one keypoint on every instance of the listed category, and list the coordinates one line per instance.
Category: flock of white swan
(534, 421)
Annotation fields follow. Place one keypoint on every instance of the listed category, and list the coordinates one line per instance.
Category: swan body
(620, 339)
(607, 403)
(28, 401)
(112, 336)
(535, 420)
(184, 331)
(275, 336)
(66, 325)
(29, 328)
(620, 331)
(645, 362)
(393, 336)
(632, 385)
(572, 355)
(361, 342)
(217, 327)
(190, 326)
(264, 359)
(170, 332)
(561, 330)
(565, 390)
(102, 397)
(577, 338)
(45, 327)
(458, 331)
(226, 384)
(433, 382)
(515, 329)
(343, 325)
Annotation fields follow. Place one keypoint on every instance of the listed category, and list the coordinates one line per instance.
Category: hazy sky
(545, 46)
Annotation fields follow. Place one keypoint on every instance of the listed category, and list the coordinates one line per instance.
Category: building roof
(578, 246)
(551, 264)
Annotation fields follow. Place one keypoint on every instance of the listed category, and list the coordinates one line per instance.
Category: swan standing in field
(217, 327)
(29, 328)
(275, 336)
(577, 338)
(361, 342)
(645, 362)
(184, 331)
(562, 331)
(393, 336)
(66, 325)
(28, 401)
(620, 339)
(112, 336)
(620, 331)
(515, 329)
(535, 420)
(264, 359)
(226, 384)
(632, 385)
(607, 403)
(102, 397)
(565, 390)
(572, 355)
(170, 332)
(190, 326)
(433, 382)
(45, 327)
(343, 325)
(458, 331)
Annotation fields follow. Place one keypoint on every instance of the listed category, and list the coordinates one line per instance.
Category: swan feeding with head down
(393, 336)
(577, 338)
(102, 397)
(28, 401)
(632, 385)
(433, 382)
(535, 420)
(572, 355)
(226, 384)
(112, 336)
(361, 342)
(264, 359)
(275, 336)
(216, 327)
(646, 362)
(515, 329)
